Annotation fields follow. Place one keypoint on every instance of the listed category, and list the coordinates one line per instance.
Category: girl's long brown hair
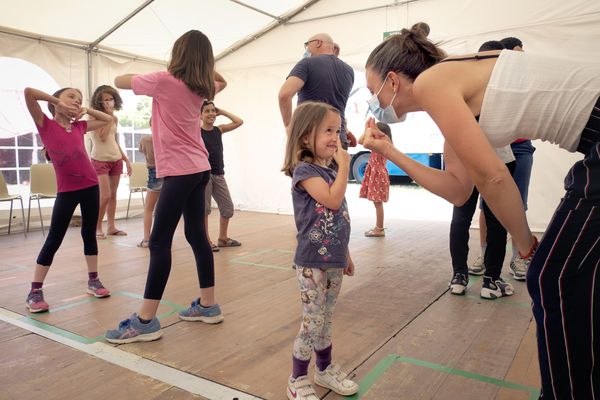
(192, 62)
(306, 119)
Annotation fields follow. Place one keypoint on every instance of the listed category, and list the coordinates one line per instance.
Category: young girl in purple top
(76, 181)
(182, 160)
(319, 166)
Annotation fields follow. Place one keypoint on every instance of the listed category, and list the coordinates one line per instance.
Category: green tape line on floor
(388, 361)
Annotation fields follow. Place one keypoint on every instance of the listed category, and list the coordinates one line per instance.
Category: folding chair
(43, 186)
(137, 182)
(5, 196)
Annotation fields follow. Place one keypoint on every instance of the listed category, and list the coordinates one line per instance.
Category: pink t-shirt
(71, 162)
(178, 146)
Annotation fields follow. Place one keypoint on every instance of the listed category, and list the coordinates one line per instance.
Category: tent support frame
(396, 3)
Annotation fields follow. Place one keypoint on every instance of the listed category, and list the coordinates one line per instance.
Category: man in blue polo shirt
(319, 76)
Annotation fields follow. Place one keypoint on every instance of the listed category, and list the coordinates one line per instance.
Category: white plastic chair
(5, 196)
(137, 182)
(43, 186)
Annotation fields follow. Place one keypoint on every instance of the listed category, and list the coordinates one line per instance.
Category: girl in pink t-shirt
(182, 160)
(76, 181)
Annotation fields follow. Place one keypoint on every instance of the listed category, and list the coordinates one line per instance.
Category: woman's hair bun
(420, 28)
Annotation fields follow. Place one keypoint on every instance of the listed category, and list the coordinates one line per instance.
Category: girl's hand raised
(373, 139)
(341, 156)
(81, 113)
(69, 111)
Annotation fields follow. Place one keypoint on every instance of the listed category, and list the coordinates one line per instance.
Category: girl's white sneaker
(333, 378)
(301, 389)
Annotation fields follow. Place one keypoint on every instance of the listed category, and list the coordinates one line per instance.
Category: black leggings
(495, 239)
(179, 195)
(64, 207)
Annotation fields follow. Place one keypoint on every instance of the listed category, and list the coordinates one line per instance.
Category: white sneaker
(301, 389)
(333, 378)
(495, 289)
(518, 268)
(458, 284)
(477, 268)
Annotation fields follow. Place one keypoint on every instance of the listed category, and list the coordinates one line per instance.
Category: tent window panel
(137, 138)
(10, 176)
(24, 176)
(8, 158)
(128, 139)
(7, 142)
(25, 140)
(41, 157)
(25, 157)
(139, 156)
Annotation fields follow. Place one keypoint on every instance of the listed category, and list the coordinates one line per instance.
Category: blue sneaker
(210, 315)
(132, 330)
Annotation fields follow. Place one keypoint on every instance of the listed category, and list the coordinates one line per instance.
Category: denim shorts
(154, 183)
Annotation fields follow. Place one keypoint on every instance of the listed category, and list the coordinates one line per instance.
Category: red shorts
(111, 168)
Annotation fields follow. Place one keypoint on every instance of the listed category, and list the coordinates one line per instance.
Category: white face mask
(388, 114)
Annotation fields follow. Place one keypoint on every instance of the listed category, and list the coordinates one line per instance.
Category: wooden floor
(397, 328)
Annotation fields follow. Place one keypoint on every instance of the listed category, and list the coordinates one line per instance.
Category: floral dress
(376, 184)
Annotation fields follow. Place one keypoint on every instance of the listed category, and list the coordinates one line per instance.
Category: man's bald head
(320, 43)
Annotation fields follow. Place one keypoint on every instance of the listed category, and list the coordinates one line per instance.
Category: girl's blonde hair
(193, 62)
(305, 121)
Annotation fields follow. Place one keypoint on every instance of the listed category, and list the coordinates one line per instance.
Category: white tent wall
(254, 153)
(106, 67)
(66, 64)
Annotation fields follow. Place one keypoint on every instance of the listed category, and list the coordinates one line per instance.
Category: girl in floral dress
(376, 185)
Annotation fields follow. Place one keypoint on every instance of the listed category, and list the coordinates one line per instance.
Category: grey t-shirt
(323, 234)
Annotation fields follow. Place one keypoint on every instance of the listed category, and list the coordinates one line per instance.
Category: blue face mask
(388, 114)
(306, 54)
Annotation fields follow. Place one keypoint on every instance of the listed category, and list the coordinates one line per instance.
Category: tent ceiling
(149, 33)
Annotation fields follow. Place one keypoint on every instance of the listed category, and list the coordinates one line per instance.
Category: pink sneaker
(96, 288)
(35, 301)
